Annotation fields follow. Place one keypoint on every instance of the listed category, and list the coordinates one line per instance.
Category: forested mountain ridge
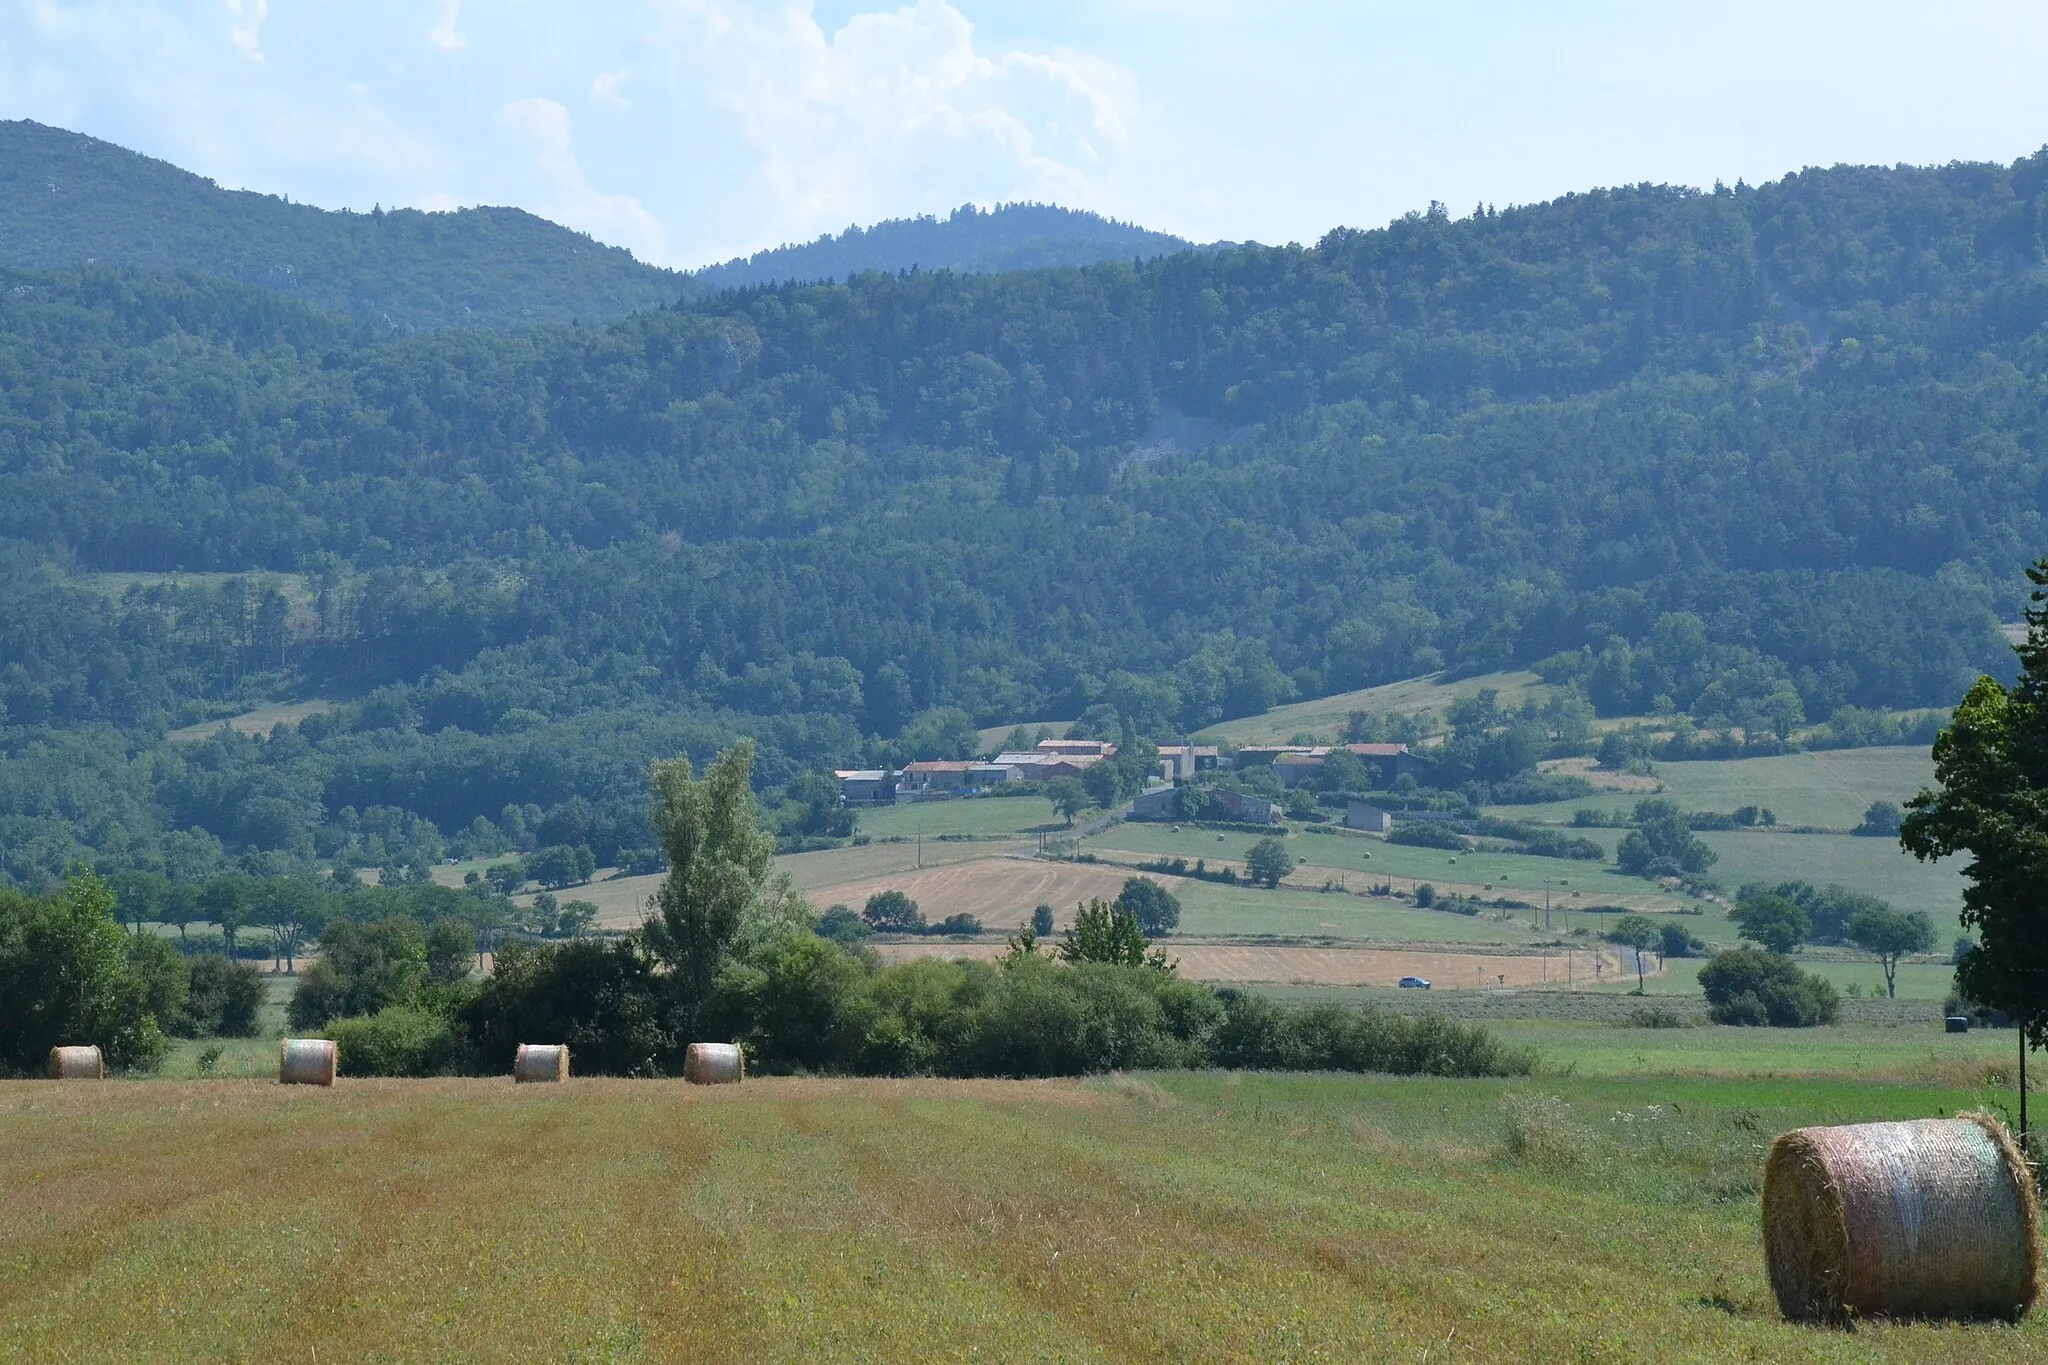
(1752, 454)
(67, 200)
(968, 240)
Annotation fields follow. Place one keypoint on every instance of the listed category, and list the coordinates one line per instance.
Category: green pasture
(1876, 866)
(981, 816)
(1360, 860)
(1830, 788)
(1213, 910)
(1324, 717)
(1929, 981)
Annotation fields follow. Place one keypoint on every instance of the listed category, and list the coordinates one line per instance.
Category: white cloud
(445, 35)
(610, 86)
(898, 111)
(545, 127)
(247, 35)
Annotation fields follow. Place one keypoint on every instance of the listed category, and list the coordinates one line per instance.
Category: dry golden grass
(1163, 1218)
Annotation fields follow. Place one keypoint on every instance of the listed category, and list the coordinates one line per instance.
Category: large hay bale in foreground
(77, 1064)
(714, 1064)
(1932, 1218)
(541, 1062)
(305, 1061)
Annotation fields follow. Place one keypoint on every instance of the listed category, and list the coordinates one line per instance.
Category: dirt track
(1277, 964)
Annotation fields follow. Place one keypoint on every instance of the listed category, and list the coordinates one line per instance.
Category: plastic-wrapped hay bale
(305, 1061)
(714, 1064)
(77, 1064)
(541, 1062)
(1931, 1218)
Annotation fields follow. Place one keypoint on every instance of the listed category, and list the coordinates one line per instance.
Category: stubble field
(1172, 1217)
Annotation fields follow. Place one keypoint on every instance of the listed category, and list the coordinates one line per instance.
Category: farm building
(1078, 748)
(1030, 765)
(1251, 810)
(1393, 760)
(933, 778)
(1361, 815)
(1296, 768)
(1179, 762)
(1294, 764)
(1163, 804)
(865, 786)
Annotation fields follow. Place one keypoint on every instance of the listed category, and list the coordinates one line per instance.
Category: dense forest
(967, 240)
(1751, 454)
(67, 200)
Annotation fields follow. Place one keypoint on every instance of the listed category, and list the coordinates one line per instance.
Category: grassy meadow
(1829, 788)
(983, 817)
(1325, 717)
(1604, 1210)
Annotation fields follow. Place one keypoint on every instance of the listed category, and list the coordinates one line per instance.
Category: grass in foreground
(1216, 1216)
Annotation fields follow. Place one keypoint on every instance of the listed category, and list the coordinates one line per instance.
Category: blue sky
(694, 130)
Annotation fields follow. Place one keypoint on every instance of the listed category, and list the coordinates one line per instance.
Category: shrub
(1267, 861)
(602, 998)
(1257, 1034)
(798, 1004)
(1747, 986)
(399, 1041)
(1539, 1131)
(65, 978)
(562, 865)
(1425, 896)
(841, 925)
(1661, 845)
(1156, 909)
(960, 925)
(225, 997)
(1425, 834)
(1037, 1018)
(1041, 920)
(164, 977)
(1776, 922)
(365, 968)
(893, 912)
(1678, 941)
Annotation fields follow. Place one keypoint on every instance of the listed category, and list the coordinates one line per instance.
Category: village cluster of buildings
(1293, 764)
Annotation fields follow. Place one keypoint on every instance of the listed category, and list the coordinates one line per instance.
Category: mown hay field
(980, 816)
(1301, 965)
(1171, 1217)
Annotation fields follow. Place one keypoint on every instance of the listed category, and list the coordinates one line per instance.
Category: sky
(691, 131)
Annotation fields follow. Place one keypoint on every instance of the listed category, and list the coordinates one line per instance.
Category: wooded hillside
(1706, 449)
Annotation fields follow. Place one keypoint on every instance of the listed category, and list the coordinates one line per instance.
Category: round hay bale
(1957, 1023)
(1932, 1218)
(305, 1061)
(77, 1064)
(541, 1062)
(714, 1064)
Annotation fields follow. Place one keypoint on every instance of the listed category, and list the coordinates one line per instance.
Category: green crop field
(1173, 1217)
(1830, 788)
(1325, 716)
(1211, 909)
(982, 816)
(1360, 860)
(1876, 866)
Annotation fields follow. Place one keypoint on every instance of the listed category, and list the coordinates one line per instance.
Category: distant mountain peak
(970, 240)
